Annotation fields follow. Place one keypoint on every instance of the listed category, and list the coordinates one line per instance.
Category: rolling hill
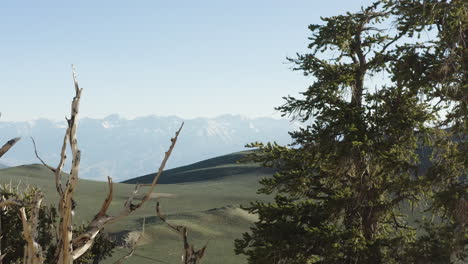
(211, 169)
(203, 196)
(127, 148)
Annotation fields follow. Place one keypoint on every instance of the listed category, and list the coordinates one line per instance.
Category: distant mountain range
(124, 148)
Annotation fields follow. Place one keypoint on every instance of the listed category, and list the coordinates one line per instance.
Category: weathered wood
(65, 227)
(69, 247)
(32, 250)
(84, 241)
(191, 256)
(8, 145)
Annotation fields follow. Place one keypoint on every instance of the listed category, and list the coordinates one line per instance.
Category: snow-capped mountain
(124, 148)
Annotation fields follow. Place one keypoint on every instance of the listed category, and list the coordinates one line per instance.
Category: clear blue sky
(135, 58)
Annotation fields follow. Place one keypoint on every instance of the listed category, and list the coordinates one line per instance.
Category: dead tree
(191, 256)
(70, 246)
(32, 249)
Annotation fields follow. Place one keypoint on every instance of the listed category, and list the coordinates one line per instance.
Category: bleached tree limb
(65, 233)
(84, 241)
(57, 171)
(8, 145)
(32, 250)
(131, 207)
(108, 201)
(69, 248)
(191, 256)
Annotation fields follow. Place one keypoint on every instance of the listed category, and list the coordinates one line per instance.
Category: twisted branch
(85, 240)
(191, 255)
(32, 250)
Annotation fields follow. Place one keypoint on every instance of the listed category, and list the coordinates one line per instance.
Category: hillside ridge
(215, 168)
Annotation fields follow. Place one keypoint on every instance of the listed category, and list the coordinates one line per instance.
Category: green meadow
(205, 197)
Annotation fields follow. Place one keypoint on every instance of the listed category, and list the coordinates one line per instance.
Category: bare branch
(108, 200)
(8, 145)
(84, 241)
(58, 170)
(69, 248)
(191, 255)
(39, 158)
(65, 245)
(32, 250)
(161, 216)
(161, 169)
(75, 80)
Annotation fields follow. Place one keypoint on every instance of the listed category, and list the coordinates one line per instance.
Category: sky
(137, 58)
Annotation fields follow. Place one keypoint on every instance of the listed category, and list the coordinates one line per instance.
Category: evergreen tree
(343, 189)
(443, 64)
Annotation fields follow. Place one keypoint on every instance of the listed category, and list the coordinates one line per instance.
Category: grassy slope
(210, 169)
(209, 208)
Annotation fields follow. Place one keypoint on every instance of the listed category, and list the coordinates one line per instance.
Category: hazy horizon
(123, 117)
(188, 59)
(128, 148)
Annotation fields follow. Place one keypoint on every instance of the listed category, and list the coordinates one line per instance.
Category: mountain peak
(122, 148)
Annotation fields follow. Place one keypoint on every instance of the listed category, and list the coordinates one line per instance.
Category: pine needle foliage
(352, 187)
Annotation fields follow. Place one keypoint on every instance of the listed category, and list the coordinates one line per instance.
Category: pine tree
(343, 190)
(443, 61)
